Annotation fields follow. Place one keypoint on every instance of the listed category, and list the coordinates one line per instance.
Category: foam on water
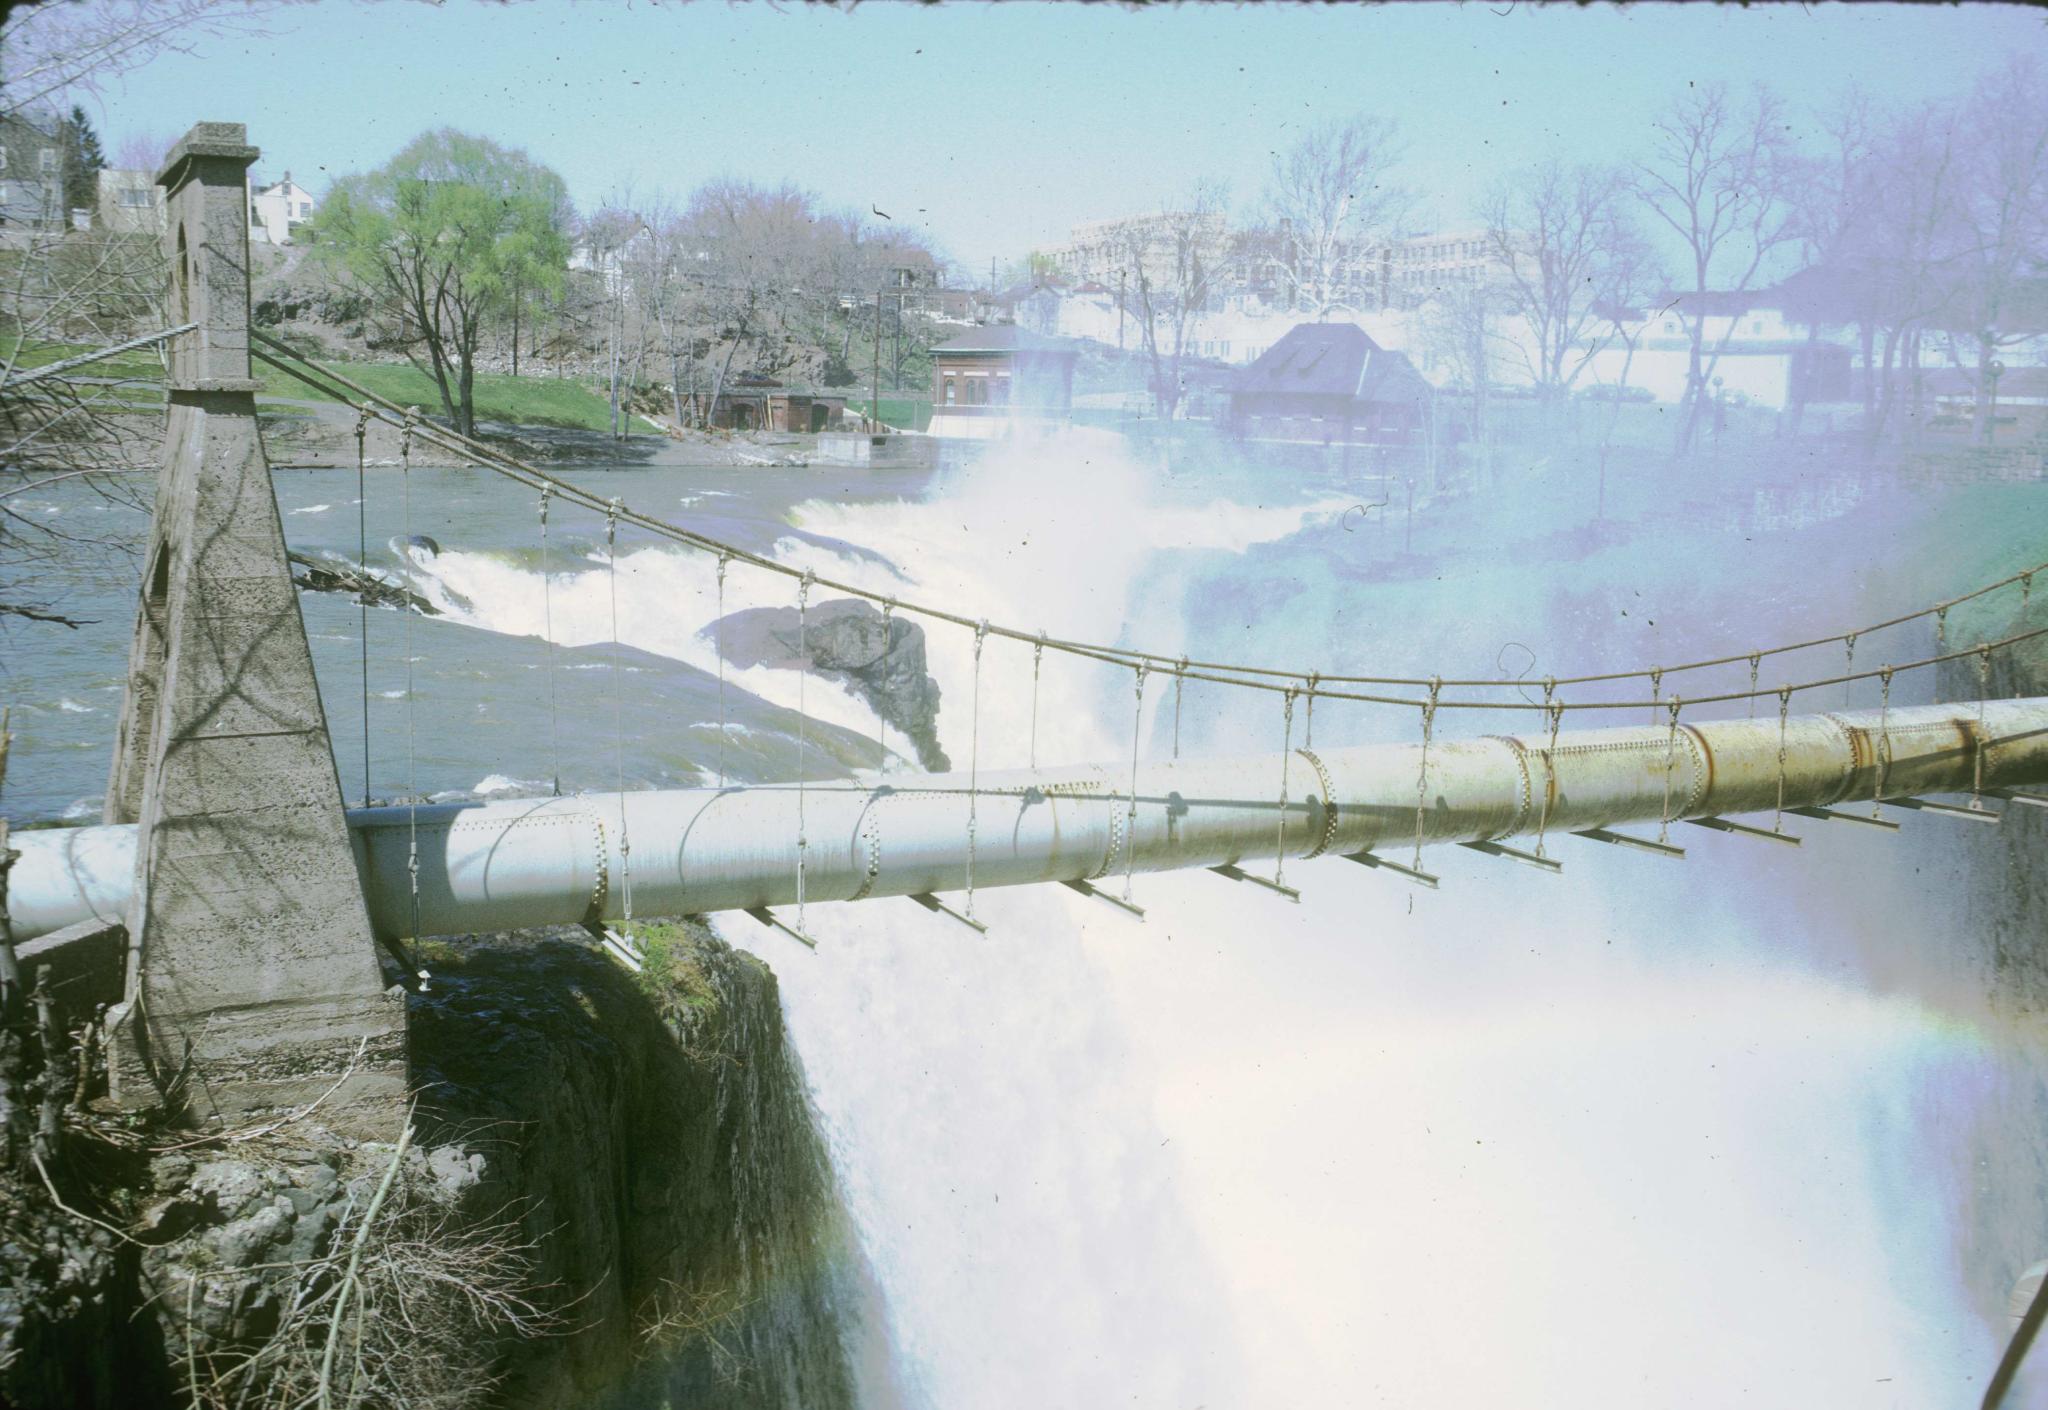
(1511, 1150)
(1607, 1140)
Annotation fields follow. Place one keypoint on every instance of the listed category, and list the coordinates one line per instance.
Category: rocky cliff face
(881, 659)
(1985, 957)
(615, 1199)
(652, 1138)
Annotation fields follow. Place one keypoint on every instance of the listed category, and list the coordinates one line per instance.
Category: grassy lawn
(534, 401)
(904, 413)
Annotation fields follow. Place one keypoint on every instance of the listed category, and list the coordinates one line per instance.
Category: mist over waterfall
(1744, 1127)
(1651, 1133)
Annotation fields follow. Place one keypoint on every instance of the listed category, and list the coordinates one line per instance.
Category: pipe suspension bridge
(250, 901)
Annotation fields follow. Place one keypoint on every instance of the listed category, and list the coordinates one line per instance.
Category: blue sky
(997, 127)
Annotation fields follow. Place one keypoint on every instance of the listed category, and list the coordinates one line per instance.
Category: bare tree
(1903, 264)
(142, 151)
(1562, 238)
(1834, 208)
(1460, 328)
(1718, 177)
(2003, 224)
(64, 291)
(58, 52)
(89, 427)
(755, 252)
(1171, 262)
(1332, 199)
(1632, 277)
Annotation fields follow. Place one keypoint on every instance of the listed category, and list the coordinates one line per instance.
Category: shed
(1330, 383)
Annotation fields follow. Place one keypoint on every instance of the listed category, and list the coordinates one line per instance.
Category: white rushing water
(1618, 1138)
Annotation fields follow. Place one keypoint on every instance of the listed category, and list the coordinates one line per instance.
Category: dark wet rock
(665, 1162)
(881, 659)
(368, 588)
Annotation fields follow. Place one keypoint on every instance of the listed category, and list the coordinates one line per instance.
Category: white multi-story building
(1100, 249)
(130, 202)
(277, 210)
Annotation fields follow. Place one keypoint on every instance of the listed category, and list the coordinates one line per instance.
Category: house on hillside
(31, 172)
(1330, 384)
(130, 202)
(987, 382)
(1762, 352)
(279, 209)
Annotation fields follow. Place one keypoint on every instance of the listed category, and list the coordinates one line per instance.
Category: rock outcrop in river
(848, 640)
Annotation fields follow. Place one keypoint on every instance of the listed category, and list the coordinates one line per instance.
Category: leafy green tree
(83, 161)
(445, 237)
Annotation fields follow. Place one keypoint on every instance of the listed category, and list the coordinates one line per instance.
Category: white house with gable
(277, 210)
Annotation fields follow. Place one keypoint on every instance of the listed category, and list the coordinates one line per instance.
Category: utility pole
(1120, 309)
(875, 404)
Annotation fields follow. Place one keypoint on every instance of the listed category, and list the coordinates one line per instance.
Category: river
(1650, 1133)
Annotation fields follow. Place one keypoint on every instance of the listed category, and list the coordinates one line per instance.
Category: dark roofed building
(1328, 384)
(987, 379)
(756, 403)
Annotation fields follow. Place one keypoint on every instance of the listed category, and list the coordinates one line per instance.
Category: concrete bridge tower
(252, 977)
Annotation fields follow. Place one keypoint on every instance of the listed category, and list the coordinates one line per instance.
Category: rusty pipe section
(607, 856)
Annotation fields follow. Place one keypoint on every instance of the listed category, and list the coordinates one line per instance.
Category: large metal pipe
(486, 866)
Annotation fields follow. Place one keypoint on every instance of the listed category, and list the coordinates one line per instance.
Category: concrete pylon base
(253, 982)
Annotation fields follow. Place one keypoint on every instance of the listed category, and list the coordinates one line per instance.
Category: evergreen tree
(83, 162)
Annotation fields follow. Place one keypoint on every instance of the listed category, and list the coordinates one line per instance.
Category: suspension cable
(362, 599)
(1131, 817)
(1556, 715)
(412, 785)
(611, 544)
(974, 765)
(547, 609)
(803, 740)
(1670, 766)
(1180, 679)
(881, 720)
(1884, 745)
(1037, 658)
(1422, 768)
(516, 469)
(1983, 735)
(1286, 753)
(1242, 676)
(1784, 711)
(718, 649)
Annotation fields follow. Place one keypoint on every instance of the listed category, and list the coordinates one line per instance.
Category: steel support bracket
(1946, 810)
(615, 945)
(2014, 795)
(938, 907)
(1549, 865)
(1086, 889)
(1367, 859)
(1762, 834)
(1236, 873)
(1837, 815)
(1634, 844)
(775, 922)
